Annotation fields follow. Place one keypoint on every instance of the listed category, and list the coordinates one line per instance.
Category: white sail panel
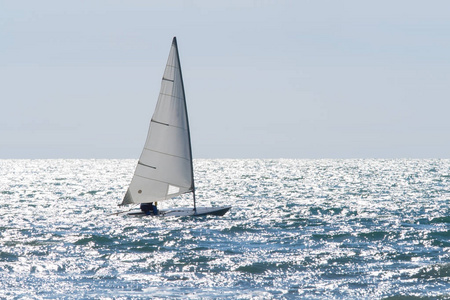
(173, 190)
(170, 108)
(163, 138)
(164, 169)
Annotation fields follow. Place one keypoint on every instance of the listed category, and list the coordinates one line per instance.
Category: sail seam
(166, 154)
(173, 96)
(174, 66)
(167, 79)
(186, 187)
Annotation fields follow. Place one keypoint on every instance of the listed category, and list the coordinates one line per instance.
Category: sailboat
(165, 168)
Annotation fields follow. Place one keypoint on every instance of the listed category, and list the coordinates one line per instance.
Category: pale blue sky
(263, 79)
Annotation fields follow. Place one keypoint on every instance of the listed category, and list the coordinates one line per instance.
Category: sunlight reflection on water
(298, 228)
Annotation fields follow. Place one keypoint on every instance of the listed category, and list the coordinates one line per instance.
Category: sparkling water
(309, 229)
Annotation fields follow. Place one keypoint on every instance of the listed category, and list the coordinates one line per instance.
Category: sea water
(298, 229)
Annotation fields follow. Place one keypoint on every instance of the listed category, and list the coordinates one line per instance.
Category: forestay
(164, 169)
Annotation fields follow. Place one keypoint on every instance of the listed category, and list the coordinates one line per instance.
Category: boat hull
(187, 212)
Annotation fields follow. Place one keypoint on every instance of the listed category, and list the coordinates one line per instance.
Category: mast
(174, 42)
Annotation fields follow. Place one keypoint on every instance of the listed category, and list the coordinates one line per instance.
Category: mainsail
(165, 169)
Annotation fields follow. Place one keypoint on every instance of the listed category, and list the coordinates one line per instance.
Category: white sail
(164, 169)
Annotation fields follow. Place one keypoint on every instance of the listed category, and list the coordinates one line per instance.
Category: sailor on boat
(149, 208)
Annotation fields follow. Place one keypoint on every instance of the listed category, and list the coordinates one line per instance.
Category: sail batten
(165, 124)
(164, 169)
(142, 164)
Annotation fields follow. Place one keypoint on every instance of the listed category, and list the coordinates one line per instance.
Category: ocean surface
(298, 229)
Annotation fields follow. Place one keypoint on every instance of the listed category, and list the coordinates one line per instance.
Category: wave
(8, 257)
(96, 239)
(335, 229)
(438, 220)
(433, 271)
(445, 219)
(263, 267)
(413, 297)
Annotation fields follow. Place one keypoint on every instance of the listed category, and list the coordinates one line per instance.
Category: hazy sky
(263, 79)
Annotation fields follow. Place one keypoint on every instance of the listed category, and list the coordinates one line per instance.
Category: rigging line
(178, 63)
